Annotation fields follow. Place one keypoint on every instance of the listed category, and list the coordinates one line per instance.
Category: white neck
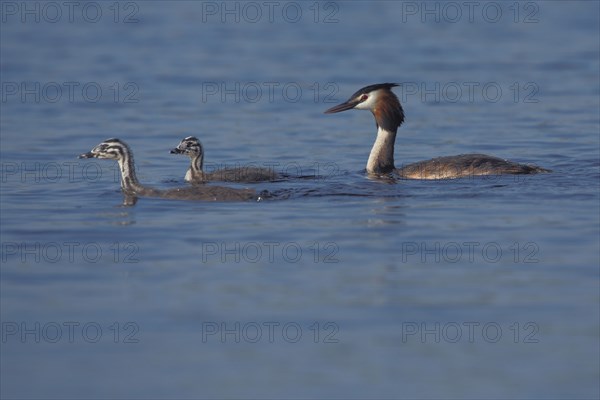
(381, 159)
(189, 176)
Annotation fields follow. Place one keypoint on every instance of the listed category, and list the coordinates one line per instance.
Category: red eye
(363, 97)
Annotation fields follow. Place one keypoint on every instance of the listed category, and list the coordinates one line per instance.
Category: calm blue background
(379, 276)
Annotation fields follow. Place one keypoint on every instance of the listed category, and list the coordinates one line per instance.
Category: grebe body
(389, 115)
(193, 148)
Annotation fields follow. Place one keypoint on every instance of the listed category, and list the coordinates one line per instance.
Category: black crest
(371, 88)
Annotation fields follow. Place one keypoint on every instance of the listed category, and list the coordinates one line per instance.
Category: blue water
(344, 287)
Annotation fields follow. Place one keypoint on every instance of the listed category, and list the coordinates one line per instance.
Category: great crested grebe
(192, 147)
(389, 115)
(116, 149)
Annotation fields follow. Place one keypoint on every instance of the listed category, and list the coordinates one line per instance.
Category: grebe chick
(192, 147)
(116, 149)
(389, 115)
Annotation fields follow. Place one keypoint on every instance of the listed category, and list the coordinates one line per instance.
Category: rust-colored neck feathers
(388, 112)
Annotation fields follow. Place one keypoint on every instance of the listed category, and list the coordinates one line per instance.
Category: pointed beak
(176, 150)
(348, 105)
(87, 155)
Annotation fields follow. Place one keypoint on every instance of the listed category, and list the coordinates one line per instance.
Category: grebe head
(380, 100)
(189, 146)
(113, 149)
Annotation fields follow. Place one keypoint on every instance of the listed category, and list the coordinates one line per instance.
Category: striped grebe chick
(116, 149)
(193, 148)
(389, 115)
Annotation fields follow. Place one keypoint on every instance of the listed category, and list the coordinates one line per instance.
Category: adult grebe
(389, 115)
(116, 149)
(192, 147)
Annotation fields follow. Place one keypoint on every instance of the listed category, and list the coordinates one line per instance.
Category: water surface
(345, 287)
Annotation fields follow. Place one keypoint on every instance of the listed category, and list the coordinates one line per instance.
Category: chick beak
(87, 155)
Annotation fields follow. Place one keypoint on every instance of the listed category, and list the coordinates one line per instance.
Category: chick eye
(363, 97)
